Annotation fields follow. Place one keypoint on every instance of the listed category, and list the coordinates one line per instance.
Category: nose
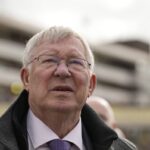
(62, 71)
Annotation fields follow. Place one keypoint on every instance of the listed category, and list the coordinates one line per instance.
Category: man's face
(58, 89)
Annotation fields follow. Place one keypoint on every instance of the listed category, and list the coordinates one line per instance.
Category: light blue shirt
(39, 134)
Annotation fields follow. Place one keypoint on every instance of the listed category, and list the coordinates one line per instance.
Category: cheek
(83, 81)
(82, 84)
(39, 77)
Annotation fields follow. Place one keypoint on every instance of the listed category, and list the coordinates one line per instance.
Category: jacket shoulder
(122, 144)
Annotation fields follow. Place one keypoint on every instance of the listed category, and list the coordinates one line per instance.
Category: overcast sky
(98, 20)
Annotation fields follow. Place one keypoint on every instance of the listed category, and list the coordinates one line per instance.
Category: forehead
(66, 46)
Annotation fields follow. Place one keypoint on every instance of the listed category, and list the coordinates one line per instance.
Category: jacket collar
(101, 136)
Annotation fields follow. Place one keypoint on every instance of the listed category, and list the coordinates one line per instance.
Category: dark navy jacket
(96, 135)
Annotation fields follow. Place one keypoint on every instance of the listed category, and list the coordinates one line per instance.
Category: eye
(79, 62)
(51, 60)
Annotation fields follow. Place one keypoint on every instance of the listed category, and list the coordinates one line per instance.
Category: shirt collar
(40, 134)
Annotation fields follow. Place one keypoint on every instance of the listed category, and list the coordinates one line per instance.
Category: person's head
(58, 71)
(103, 109)
(105, 112)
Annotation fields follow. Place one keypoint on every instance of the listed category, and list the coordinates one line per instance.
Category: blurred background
(119, 35)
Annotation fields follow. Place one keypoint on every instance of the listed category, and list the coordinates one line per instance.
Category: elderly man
(50, 113)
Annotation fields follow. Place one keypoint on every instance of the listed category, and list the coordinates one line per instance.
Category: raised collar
(101, 136)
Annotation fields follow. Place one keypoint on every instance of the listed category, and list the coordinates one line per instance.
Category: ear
(24, 73)
(92, 84)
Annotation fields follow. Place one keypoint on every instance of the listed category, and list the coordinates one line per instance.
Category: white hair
(54, 34)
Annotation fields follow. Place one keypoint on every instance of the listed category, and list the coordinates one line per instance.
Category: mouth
(62, 89)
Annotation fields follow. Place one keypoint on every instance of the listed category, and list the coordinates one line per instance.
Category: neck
(60, 123)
